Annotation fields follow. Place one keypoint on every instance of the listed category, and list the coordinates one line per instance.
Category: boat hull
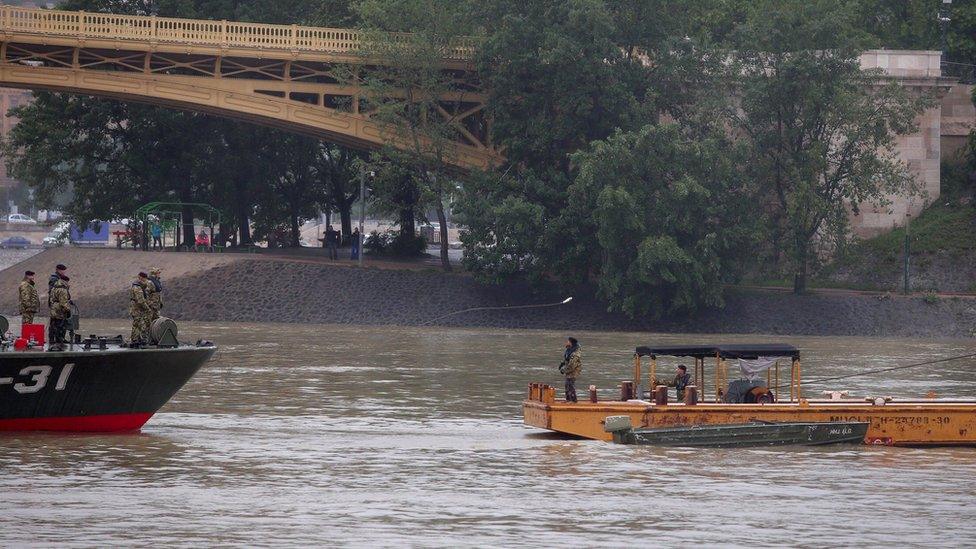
(105, 391)
(899, 423)
(748, 434)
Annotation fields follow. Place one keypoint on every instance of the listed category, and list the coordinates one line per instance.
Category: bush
(377, 242)
(395, 244)
(931, 299)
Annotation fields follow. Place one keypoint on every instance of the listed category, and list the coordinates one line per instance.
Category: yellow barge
(929, 422)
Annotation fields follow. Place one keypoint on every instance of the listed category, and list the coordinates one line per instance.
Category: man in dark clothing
(354, 244)
(331, 242)
(571, 366)
(681, 380)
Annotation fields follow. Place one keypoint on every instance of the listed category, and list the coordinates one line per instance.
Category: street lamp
(944, 17)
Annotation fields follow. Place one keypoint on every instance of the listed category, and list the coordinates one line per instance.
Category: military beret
(61, 267)
(143, 275)
(28, 273)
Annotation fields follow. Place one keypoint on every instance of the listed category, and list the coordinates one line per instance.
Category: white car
(21, 219)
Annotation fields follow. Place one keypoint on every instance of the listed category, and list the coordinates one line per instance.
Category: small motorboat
(758, 433)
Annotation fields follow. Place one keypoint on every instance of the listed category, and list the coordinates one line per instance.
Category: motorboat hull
(748, 434)
(115, 389)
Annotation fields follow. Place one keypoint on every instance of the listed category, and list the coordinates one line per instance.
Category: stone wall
(958, 119)
(922, 150)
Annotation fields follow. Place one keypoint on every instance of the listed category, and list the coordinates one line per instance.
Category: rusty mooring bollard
(661, 395)
(691, 395)
(626, 390)
(592, 393)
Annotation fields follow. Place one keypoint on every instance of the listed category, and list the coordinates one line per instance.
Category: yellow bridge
(286, 76)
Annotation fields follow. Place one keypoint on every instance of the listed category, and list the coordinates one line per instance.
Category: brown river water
(388, 436)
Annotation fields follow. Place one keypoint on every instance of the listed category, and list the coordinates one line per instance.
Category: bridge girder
(306, 92)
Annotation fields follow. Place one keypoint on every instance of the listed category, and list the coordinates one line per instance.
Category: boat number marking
(898, 420)
(38, 380)
(63, 378)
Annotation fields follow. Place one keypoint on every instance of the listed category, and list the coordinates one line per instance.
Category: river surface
(385, 436)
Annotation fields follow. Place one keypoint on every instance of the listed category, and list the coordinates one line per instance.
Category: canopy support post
(652, 375)
(637, 375)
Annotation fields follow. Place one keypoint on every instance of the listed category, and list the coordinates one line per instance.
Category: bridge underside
(278, 89)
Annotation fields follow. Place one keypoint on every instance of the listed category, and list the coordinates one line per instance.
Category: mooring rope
(881, 370)
(509, 307)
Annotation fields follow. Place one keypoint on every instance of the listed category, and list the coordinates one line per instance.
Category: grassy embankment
(942, 240)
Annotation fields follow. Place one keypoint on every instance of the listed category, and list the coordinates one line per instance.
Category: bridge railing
(197, 32)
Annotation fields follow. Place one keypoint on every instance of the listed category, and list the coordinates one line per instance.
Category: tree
(558, 78)
(411, 92)
(339, 167)
(671, 215)
(822, 131)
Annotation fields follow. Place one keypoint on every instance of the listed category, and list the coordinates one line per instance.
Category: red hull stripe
(94, 424)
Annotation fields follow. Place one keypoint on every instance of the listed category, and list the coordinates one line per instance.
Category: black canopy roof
(747, 351)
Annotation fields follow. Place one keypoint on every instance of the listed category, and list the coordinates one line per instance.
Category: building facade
(942, 133)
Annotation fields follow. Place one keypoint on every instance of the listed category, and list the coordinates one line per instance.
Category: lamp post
(362, 213)
(908, 221)
(944, 18)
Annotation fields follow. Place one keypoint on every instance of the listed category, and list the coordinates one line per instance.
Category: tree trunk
(189, 236)
(442, 219)
(296, 235)
(345, 214)
(244, 227)
(408, 224)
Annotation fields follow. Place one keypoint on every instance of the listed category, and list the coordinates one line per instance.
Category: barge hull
(909, 423)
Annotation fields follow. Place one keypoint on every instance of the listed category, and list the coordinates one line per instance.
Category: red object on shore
(20, 344)
(33, 330)
(101, 423)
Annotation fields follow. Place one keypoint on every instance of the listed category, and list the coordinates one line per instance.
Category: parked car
(15, 242)
(57, 237)
(21, 218)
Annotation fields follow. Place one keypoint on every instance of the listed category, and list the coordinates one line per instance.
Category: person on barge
(571, 367)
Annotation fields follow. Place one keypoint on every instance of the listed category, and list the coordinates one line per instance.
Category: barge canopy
(749, 352)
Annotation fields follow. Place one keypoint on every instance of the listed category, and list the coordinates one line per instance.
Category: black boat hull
(749, 434)
(117, 389)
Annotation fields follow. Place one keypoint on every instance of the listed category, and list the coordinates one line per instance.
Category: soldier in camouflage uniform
(154, 294)
(139, 310)
(59, 300)
(29, 302)
(571, 366)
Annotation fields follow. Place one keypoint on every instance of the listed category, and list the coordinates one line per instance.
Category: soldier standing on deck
(571, 366)
(59, 302)
(154, 294)
(29, 302)
(139, 310)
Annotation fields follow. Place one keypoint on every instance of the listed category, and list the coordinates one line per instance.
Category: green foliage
(671, 218)
(396, 244)
(417, 100)
(821, 130)
(931, 299)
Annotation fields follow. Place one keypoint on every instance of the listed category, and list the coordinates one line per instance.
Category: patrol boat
(97, 383)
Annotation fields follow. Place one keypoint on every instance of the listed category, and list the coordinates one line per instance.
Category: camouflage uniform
(29, 302)
(139, 311)
(571, 369)
(154, 295)
(59, 300)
